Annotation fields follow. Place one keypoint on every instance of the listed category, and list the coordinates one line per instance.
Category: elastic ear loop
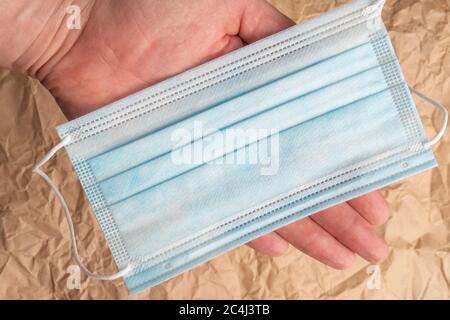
(442, 109)
(73, 240)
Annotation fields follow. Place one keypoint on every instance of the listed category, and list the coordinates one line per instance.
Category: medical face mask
(210, 159)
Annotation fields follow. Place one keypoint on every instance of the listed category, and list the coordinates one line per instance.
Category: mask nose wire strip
(76, 255)
(442, 109)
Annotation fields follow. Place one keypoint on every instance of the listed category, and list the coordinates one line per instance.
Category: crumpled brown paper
(34, 244)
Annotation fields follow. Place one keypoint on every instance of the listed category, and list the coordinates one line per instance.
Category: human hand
(125, 46)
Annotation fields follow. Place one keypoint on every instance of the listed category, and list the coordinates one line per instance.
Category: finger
(353, 231)
(270, 244)
(308, 237)
(260, 19)
(372, 207)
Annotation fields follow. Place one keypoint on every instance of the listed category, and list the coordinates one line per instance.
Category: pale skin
(124, 46)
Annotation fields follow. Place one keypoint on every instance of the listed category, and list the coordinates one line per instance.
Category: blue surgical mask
(210, 159)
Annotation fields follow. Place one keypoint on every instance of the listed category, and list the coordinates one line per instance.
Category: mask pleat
(280, 118)
(235, 110)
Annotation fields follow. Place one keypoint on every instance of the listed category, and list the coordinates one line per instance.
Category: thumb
(260, 19)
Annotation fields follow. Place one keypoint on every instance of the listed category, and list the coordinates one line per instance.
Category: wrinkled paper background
(35, 250)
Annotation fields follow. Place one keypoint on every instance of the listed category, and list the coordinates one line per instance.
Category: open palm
(128, 45)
